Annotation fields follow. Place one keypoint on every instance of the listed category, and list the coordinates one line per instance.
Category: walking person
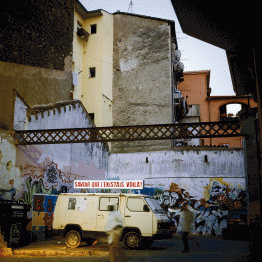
(114, 228)
(186, 223)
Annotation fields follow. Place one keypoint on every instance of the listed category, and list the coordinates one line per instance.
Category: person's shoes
(184, 251)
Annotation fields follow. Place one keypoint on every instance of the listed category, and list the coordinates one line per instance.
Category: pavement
(59, 248)
(209, 246)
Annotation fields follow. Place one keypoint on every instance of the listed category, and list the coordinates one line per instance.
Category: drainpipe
(173, 84)
(209, 117)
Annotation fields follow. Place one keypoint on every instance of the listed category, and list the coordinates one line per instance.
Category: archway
(230, 111)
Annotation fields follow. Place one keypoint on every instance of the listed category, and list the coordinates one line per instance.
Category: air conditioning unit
(81, 32)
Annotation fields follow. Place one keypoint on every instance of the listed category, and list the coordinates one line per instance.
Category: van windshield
(154, 205)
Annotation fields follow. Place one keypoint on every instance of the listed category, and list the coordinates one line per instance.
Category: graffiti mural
(52, 173)
(48, 181)
(42, 215)
(8, 194)
(213, 209)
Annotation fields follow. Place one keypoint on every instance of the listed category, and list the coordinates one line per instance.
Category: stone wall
(141, 77)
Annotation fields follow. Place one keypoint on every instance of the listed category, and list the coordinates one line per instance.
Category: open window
(92, 72)
(93, 29)
(230, 112)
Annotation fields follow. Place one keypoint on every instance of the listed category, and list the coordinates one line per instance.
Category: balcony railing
(229, 118)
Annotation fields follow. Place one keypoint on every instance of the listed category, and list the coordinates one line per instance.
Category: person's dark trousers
(185, 241)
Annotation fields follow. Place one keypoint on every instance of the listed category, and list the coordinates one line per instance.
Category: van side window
(103, 202)
(72, 203)
(135, 204)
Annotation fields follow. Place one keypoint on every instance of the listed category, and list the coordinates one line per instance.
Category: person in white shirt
(186, 223)
(114, 228)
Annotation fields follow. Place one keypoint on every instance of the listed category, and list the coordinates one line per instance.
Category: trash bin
(13, 221)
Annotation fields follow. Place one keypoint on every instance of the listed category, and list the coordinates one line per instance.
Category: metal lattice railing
(128, 133)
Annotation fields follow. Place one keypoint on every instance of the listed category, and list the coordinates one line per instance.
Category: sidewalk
(59, 248)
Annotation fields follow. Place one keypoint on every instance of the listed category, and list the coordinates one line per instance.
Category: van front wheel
(132, 240)
(73, 239)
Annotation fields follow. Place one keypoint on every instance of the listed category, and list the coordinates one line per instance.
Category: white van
(82, 217)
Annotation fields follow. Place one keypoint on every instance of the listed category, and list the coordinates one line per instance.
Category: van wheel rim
(132, 240)
(73, 239)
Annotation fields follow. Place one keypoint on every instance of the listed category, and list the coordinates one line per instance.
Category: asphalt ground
(211, 249)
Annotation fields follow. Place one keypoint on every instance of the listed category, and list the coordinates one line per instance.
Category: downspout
(209, 117)
(172, 81)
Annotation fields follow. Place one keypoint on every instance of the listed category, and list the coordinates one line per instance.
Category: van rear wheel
(73, 239)
(132, 240)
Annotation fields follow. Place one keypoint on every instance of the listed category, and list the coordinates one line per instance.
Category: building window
(92, 117)
(92, 72)
(93, 29)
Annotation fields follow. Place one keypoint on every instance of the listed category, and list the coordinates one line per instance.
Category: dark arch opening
(225, 115)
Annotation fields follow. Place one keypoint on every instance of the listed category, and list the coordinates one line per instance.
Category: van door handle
(127, 216)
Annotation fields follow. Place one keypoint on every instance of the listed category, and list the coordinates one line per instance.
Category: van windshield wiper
(159, 210)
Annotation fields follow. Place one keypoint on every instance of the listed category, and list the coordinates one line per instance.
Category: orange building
(205, 108)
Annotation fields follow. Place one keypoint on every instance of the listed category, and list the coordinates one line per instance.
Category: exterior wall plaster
(10, 179)
(213, 180)
(141, 77)
(48, 169)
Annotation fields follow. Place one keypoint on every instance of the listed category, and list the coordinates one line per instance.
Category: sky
(196, 54)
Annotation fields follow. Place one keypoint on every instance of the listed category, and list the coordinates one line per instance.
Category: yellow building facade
(93, 62)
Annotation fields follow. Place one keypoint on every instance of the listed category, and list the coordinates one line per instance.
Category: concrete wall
(47, 168)
(37, 33)
(35, 53)
(10, 180)
(179, 166)
(173, 177)
(36, 85)
(141, 77)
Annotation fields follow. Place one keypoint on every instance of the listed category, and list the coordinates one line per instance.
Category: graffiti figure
(52, 173)
(35, 188)
(7, 194)
(213, 212)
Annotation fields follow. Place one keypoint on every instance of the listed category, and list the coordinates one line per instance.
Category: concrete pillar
(253, 184)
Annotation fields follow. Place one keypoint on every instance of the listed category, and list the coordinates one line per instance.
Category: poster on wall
(105, 184)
